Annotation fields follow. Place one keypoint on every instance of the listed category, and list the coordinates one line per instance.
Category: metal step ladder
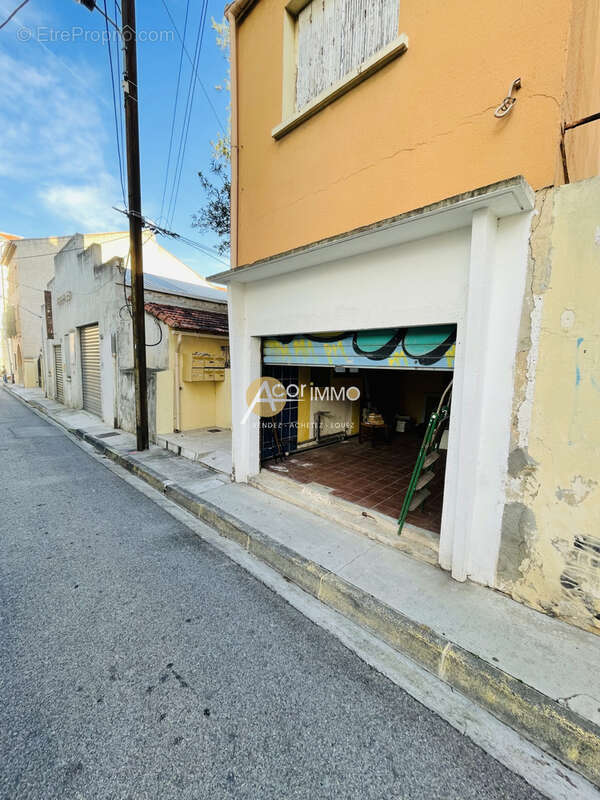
(423, 473)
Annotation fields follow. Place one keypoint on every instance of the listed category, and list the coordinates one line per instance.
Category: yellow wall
(30, 373)
(419, 130)
(204, 404)
(306, 409)
(550, 549)
(165, 397)
(199, 398)
(304, 417)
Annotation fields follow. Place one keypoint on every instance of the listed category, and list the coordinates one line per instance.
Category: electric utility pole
(132, 142)
(134, 211)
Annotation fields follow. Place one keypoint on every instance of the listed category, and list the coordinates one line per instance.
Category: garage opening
(357, 412)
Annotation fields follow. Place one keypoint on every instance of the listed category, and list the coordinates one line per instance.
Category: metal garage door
(58, 373)
(430, 347)
(90, 369)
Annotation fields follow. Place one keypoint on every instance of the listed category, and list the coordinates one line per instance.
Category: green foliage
(215, 214)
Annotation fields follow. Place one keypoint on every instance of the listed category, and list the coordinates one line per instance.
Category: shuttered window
(337, 36)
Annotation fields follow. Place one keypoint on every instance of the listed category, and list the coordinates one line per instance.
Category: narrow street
(138, 662)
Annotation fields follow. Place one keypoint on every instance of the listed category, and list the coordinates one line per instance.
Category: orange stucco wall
(582, 90)
(419, 130)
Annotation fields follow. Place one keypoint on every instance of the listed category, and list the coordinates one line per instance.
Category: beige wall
(550, 549)
(29, 267)
(419, 130)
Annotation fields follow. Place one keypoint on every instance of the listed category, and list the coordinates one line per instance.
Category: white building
(89, 354)
(27, 266)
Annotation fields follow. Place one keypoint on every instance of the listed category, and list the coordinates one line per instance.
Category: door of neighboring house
(89, 338)
(58, 373)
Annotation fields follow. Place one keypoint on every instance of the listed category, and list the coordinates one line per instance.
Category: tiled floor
(373, 477)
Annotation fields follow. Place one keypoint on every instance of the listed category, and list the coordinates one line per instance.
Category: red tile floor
(373, 477)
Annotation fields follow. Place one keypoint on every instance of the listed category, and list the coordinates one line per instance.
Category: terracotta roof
(190, 319)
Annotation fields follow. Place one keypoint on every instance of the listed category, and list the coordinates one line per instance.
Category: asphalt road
(138, 662)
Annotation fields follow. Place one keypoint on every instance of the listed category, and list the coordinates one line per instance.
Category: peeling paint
(578, 491)
(550, 550)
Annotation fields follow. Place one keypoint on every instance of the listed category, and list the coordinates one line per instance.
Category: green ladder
(422, 475)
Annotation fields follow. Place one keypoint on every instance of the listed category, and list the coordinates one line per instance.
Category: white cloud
(85, 205)
(53, 139)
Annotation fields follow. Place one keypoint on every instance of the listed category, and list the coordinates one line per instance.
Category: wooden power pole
(132, 141)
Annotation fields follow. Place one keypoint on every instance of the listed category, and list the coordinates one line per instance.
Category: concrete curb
(546, 723)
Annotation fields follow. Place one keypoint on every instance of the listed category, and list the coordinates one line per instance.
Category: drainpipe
(177, 386)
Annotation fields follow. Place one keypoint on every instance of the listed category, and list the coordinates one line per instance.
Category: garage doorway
(364, 450)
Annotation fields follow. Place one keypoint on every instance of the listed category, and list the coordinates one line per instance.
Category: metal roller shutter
(58, 373)
(429, 347)
(90, 369)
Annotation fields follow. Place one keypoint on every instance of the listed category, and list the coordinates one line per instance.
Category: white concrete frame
(460, 262)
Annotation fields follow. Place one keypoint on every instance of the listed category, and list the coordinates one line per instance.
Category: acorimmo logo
(266, 397)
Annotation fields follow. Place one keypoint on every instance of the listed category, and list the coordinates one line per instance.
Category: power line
(10, 16)
(162, 205)
(168, 234)
(39, 316)
(68, 250)
(202, 86)
(114, 99)
(201, 247)
(186, 130)
(191, 86)
(104, 13)
(117, 56)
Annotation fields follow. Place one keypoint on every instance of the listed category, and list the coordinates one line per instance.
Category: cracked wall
(550, 547)
(417, 131)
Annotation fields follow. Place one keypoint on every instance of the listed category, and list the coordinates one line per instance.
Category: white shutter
(58, 373)
(90, 369)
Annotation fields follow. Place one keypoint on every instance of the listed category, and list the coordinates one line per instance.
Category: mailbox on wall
(203, 367)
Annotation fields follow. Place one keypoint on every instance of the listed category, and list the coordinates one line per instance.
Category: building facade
(406, 231)
(28, 265)
(88, 346)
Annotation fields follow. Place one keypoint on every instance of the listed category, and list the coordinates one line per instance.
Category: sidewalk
(536, 674)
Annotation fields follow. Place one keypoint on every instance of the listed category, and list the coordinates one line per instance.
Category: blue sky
(58, 159)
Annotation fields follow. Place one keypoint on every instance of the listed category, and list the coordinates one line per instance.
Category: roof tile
(190, 319)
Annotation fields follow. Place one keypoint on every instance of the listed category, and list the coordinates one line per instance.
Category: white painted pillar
(245, 367)
(471, 388)
(506, 287)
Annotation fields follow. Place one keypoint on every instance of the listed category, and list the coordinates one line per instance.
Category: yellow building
(414, 230)
(194, 390)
